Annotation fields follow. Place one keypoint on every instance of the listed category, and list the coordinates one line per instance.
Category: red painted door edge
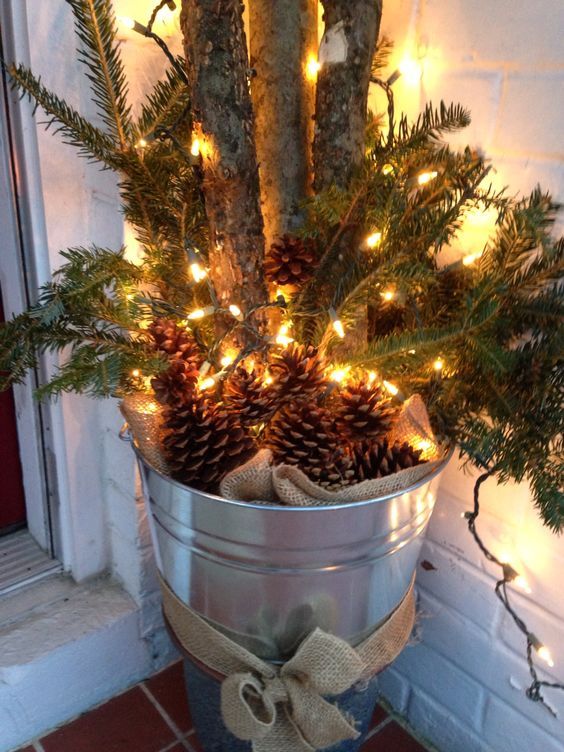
(12, 499)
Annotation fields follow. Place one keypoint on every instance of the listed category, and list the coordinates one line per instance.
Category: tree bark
(283, 35)
(217, 64)
(346, 53)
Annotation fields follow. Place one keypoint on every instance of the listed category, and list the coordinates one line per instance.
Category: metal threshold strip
(23, 562)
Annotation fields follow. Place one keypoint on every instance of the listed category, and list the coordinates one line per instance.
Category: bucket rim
(271, 507)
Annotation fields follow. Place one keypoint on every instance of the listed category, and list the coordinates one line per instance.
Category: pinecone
(305, 436)
(362, 412)
(203, 442)
(299, 373)
(175, 341)
(290, 261)
(246, 394)
(373, 460)
(175, 386)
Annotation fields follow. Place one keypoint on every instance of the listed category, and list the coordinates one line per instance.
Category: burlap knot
(323, 664)
(283, 709)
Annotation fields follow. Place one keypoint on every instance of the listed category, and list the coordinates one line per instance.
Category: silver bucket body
(267, 575)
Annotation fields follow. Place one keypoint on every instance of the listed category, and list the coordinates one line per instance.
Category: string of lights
(510, 575)
(156, 10)
(411, 70)
(147, 31)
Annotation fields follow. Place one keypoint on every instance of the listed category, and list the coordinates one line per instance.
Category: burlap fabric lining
(259, 481)
(144, 417)
(284, 708)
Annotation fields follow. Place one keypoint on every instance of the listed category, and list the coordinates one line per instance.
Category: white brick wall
(462, 686)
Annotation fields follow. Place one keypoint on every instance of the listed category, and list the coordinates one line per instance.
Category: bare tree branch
(217, 63)
(283, 35)
(347, 50)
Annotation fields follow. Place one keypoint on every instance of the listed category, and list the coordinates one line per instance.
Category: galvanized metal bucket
(267, 575)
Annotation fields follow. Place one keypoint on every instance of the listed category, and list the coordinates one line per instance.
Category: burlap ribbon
(258, 480)
(283, 708)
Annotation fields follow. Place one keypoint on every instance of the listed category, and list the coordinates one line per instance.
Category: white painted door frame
(24, 266)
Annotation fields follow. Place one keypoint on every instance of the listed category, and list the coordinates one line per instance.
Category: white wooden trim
(41, 430)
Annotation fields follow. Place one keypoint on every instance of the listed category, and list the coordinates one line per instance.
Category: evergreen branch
(95, 27)
(168, 100)
(76, 130)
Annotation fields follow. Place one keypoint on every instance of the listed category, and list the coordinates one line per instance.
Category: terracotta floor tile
(169, 690)
(128, 723)
(392, 738)
(378, 716)
(194, 743)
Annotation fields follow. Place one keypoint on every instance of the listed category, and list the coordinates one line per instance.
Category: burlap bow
(282, 709)
(290, 705)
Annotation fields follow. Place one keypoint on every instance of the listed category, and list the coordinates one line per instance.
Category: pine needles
(495, 326)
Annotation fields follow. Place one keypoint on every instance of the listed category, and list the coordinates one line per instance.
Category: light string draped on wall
(509, 575)
(411, 70)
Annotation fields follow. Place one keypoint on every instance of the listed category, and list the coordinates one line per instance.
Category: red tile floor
(154, 717)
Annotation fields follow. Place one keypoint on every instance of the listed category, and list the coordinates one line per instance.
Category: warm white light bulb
(373, 239)
(313, 66)
(339, 375)
(372, 376)
(411, 70)
(426, 177)
(387, 169)
(438, 364)
(198, 272)
(207, 383)
(282, 337)
(227, 360)
(136, 373)
(424, 445)
(545, 655)
(388, 295)
(200, 313)
(195, 147)
(236, 312)
(391, 388)
(141, 144)
(522, 584)
(339, 328)
(129, 23)
(471, 258)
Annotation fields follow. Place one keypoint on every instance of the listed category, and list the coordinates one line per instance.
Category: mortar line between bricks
(189, 747)
(375, 729)
(172, 745)
(168, 720)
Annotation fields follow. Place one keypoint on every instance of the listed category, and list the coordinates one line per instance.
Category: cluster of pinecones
(336, 436)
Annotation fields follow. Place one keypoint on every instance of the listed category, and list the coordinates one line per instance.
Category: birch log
(217, 64)
(283, 35)
(346, 53)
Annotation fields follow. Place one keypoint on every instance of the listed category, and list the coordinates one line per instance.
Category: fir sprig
(496, 325)
(96, 29)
